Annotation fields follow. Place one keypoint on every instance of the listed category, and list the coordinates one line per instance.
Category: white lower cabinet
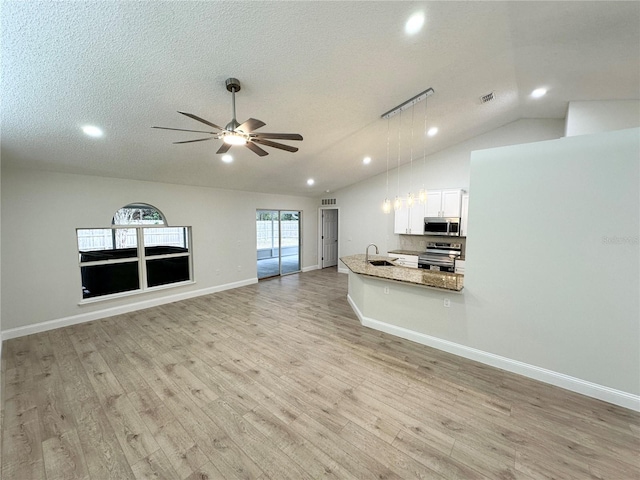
(410, 261)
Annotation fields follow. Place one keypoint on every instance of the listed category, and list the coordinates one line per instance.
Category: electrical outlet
(386, 290)
(447, 302)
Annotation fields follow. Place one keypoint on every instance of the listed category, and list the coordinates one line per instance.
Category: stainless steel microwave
(449, 226)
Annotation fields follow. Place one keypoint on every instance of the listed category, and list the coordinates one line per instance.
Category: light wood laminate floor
(278, 380)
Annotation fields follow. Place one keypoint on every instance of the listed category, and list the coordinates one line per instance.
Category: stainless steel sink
(381, 263)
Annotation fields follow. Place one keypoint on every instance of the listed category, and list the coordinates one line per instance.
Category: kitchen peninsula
(403, 301)
(412, 276)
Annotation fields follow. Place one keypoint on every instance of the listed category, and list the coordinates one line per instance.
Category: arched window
(138, 252)
(138, 214)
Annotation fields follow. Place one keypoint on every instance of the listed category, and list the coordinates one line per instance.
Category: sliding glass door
(278, 242)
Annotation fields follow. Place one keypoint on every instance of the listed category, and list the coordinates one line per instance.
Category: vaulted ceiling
(326, 70)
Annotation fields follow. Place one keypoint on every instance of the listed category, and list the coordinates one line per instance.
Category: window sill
(131, 293)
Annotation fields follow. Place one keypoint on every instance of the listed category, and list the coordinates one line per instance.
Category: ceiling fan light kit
(239, 134)
(234, 139)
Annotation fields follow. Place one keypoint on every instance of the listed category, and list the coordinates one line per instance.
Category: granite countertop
(405, 252)
(415, 276)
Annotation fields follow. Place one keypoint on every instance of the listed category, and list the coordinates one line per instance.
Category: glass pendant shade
(410, 199)
(422, 196)
(397, 204)
(386, 206)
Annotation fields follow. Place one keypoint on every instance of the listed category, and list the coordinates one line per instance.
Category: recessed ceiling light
(414, 24)
(432, 131)
(366, 160)
(92, 131)
(310, 182)
(227, 158)
(539, 92)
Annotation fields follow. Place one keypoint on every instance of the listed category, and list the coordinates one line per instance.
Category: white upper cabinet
(443, 203)
(440, 203)
(416, 218)
(401, 224)
(409, 220)
(434, 203)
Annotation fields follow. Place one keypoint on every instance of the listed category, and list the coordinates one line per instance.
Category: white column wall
(559, 290)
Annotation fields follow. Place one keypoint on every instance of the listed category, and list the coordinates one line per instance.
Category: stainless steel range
(440, 256)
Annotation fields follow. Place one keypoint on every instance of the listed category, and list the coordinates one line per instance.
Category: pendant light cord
(413, 107)
(424, 147)
(399, 130)
(388, 135)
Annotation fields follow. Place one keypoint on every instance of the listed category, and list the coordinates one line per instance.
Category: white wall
(41, 210)
(584, 118)
(362, 219)
(563, 294)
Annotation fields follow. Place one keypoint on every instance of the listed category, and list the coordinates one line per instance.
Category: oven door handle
(439, 263)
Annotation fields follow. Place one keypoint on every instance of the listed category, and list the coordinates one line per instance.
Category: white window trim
(141, 258)
(131, 293)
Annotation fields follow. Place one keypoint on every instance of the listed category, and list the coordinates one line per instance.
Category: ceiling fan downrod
(233, 85)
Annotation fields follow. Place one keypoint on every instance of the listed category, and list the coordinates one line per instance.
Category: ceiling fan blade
(256, 149)
(183, 130)
(250, 125)
(224, 148)
(269, 143)
(279, 136)
(206, 122)
(191, 141)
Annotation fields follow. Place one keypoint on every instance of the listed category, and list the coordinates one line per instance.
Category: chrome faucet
(366, 256)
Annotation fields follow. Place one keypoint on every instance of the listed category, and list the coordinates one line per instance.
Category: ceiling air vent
(328, 201)
(487, 98)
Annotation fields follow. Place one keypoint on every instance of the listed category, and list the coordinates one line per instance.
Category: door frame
(320, 210)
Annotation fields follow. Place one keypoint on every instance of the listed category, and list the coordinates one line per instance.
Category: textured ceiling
(326, 70)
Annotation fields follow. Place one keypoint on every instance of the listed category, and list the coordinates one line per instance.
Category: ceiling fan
(240, 133)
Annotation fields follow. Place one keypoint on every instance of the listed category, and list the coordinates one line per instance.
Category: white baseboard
(601, 392)
(109, 312)
(308, 269)
(343, 270)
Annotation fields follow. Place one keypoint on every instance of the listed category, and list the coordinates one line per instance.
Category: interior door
(329, 238)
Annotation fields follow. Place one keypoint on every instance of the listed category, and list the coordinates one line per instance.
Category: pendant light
(410, 198)
(423, 191)
(386, 205)
(397, 203)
